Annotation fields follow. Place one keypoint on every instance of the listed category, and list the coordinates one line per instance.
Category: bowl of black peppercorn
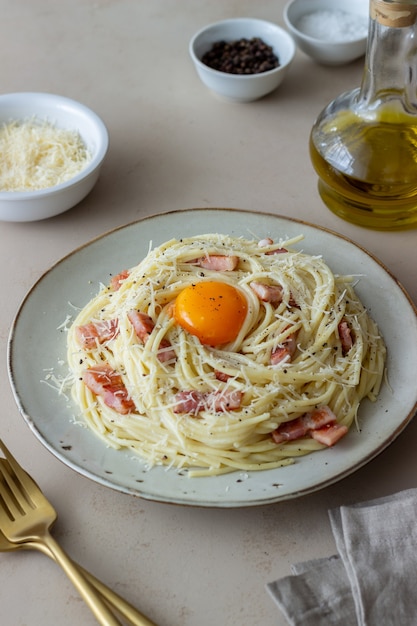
(242, 59)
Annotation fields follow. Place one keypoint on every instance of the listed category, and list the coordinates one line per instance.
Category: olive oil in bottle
(363, 145)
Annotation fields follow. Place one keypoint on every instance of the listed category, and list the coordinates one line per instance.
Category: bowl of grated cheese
(332, 32)
(52, 149)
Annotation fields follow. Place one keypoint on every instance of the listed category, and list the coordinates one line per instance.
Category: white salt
(334, 25)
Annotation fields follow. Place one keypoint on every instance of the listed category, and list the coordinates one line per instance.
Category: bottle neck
(390, 72)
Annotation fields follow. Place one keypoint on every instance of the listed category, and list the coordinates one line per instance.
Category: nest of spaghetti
(218, 353)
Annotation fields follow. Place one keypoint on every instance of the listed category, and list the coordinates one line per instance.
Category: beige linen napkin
(373, 579)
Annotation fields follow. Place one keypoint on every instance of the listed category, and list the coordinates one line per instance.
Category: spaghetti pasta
(305, 346)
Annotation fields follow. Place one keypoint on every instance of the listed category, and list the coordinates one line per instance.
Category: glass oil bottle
(363, 145)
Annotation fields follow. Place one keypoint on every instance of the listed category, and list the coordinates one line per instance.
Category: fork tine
(6, 502)
(25, 480)
(13, 463)
(20, 500)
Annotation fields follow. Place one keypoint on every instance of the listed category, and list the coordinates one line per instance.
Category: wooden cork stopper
(392, 13)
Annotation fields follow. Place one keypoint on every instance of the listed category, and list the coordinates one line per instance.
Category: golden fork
(25, 519)
(124, 608)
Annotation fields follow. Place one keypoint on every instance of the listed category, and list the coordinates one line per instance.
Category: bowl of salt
(332, 32)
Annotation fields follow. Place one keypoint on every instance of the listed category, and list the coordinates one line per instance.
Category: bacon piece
(345, 335)
(222, 376)
(319, 424)
(285, 351)
(330, 434)
(277, 251)
(105, 382)
(271, 293)
(262, 243)
(93, 333)
(217, 262)
(116, 281)
(193, 401)
(319, 418)
(293, 302)
(189, 402)
(294, 429)
(143, 325)
(227, 400)
(267, 293)
(165, 351)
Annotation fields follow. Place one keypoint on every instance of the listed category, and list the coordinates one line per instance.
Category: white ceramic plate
(36, 345)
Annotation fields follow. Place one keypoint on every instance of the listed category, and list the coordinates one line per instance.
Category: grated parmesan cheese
(36, 154)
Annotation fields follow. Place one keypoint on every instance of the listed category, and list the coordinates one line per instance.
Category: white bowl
(238, 87)
(26, 206)
(331, 47)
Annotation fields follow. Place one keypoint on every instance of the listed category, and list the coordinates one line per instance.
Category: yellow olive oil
(367, 166)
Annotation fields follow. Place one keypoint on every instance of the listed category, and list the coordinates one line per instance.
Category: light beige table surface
(172, 146)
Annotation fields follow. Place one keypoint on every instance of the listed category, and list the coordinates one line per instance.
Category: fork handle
(119, 603)
(124, 607)
(101, 611)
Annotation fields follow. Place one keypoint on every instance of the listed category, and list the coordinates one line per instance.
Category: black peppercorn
(243, 56)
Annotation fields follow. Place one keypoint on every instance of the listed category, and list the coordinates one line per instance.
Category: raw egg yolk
(212, 311)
